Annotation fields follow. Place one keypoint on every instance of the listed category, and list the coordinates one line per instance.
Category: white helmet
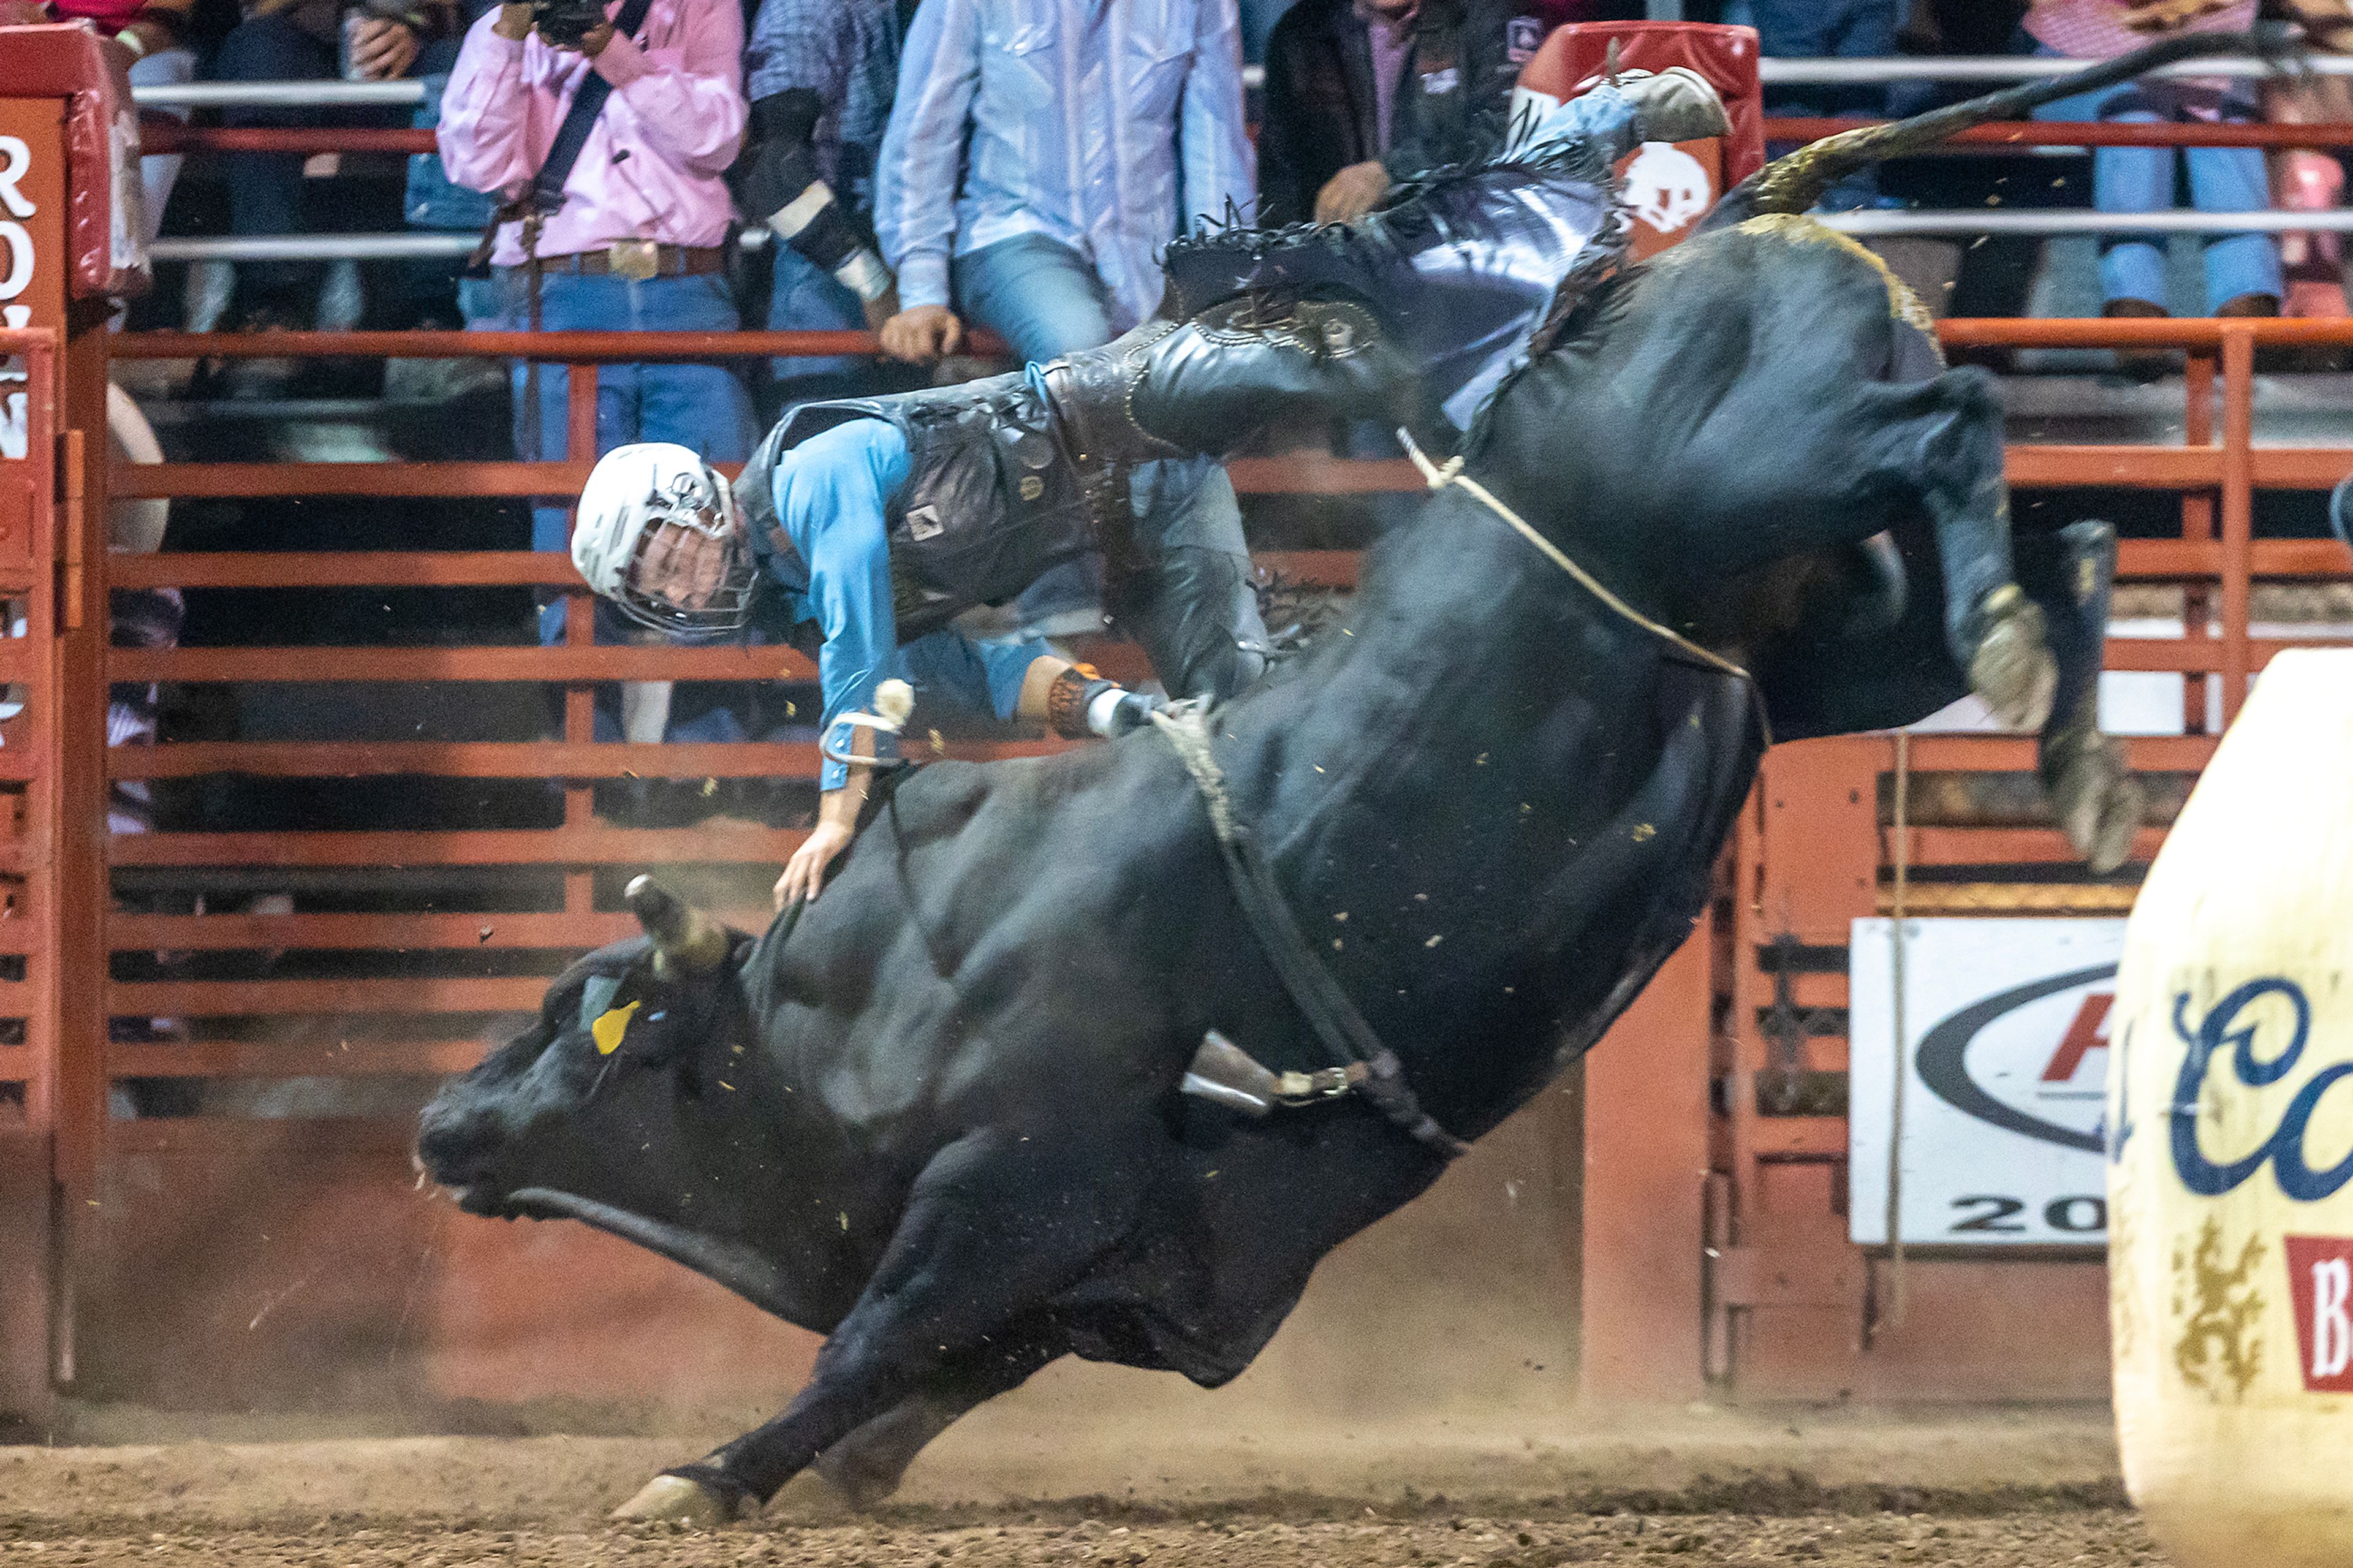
(657, 535)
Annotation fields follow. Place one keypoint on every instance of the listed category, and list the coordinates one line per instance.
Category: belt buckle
(636, 259)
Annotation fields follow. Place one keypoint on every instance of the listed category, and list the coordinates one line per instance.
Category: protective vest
(991, 501)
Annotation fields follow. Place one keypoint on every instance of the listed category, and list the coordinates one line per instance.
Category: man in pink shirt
(634, 244)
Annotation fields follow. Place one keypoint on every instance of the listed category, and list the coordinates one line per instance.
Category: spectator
(306, 40)
(821, 75)
(152, 36)
(1038, 158)
(1825, 29)
(1333, 69)
(436, 295)
(2305, 179)
(2242, 270)
(634, 244)
(1363, 93)
(1039, 155)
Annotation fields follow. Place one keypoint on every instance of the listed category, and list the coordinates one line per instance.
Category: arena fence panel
(327, 971)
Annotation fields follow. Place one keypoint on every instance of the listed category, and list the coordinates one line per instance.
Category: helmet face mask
(660, 539)
(690, 574)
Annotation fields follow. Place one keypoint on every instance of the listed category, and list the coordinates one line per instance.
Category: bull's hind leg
(866, 1466)
(2093, 793)
(1825, 678)
(996, 1226)
(1942, 437)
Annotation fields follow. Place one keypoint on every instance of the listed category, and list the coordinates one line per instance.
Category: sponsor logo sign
(2320, 1287)
(32, 243)
(2005, 1073)
(1666, 187)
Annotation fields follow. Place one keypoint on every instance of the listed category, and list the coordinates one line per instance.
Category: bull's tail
(1795, 184)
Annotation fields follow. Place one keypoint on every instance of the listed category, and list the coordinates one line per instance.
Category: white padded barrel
(2231, 1146)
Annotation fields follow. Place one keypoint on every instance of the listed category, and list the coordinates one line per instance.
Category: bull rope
(1440, 475)
(1373, 1070)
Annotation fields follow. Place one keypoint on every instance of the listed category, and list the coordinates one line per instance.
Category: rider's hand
(804, 872)
(1352, 192)
(383, 48)
(923, 335)
(513, 24)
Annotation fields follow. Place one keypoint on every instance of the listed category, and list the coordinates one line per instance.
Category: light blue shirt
(1107, 125)
(830, 495)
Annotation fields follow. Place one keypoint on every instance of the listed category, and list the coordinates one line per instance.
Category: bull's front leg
(868, 1465)
(1945, 436)
(996, 1226)
(2092, 790)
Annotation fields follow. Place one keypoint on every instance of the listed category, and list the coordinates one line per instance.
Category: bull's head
(641, 1052)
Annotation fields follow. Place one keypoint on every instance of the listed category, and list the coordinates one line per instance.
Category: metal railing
(2012, 136)
(2216, 468)
(1988, 68)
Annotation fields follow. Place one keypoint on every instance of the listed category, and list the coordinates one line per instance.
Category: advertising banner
(2006, 1067)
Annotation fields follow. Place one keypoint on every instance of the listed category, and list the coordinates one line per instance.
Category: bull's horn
(686, 941)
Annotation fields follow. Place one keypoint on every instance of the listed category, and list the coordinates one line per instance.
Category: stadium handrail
(1873, 223)
(1774, 73)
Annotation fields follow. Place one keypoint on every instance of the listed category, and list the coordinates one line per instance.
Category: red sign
(2321, 1285)
(2087, 1034)
(32, 213)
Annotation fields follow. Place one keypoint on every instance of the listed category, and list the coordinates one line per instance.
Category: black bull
(942, 1122)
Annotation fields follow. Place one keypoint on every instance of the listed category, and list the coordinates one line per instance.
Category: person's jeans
(2141, 180)
(1833, 29)
(703, 407)
(1193, 603)
(1037, 294)
(265, 189)
(159, 172)
(810, 300)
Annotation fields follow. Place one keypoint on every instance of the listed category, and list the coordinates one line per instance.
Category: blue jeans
(809, 300)
(703, 407)
(699, 405)
(1036, 293)
(1825, 29)
(2141, 180)
(978, 677)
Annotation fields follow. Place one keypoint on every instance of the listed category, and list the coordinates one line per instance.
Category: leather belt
(637, 259)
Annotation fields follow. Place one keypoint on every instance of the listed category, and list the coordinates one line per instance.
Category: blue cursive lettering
(2285, 1149)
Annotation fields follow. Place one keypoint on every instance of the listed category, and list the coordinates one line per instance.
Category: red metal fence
(1810, 856)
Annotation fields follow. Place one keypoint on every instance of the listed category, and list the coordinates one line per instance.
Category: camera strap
(545, 193)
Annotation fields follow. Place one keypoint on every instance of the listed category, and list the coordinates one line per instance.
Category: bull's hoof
(677, 1500)
(2013, 670)
(2101, 804)
(2098, 802)
(814, 1497)
(860, 1489)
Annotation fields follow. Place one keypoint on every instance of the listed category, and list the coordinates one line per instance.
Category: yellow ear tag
(610, 1027)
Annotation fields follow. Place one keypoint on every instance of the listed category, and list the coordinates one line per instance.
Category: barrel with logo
(2230, 1145)
(1667, 186)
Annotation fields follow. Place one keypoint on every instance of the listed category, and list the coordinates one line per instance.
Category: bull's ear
(686, 941)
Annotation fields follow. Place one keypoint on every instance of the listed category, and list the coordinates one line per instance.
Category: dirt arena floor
(1981, 1490)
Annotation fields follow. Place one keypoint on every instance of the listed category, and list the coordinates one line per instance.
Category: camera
(564, 23)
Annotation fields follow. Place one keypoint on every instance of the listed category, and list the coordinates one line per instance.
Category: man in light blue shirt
(1069, 139)
(1040, 156)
